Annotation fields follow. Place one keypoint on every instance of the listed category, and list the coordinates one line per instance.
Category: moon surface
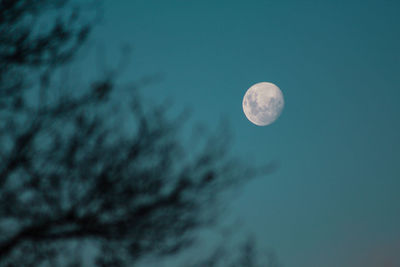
(263, 103)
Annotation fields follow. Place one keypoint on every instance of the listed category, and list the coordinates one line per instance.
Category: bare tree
(70, 179)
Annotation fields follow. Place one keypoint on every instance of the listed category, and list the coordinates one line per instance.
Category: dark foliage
(70, 179)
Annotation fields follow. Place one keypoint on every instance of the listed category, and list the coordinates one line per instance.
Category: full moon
(263, 103)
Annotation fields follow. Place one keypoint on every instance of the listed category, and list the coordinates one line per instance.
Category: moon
(263, 103)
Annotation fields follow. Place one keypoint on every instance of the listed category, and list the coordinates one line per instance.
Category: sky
(334, 201)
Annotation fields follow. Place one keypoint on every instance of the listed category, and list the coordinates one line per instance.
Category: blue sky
(335, 199)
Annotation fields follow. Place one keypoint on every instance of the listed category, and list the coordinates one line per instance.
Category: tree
(69, 178)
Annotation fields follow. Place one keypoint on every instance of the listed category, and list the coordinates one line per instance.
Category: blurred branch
(67, 176)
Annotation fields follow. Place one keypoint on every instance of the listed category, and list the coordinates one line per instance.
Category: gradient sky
(335, 200)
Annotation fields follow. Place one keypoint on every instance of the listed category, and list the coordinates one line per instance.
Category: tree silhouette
(71, 181)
